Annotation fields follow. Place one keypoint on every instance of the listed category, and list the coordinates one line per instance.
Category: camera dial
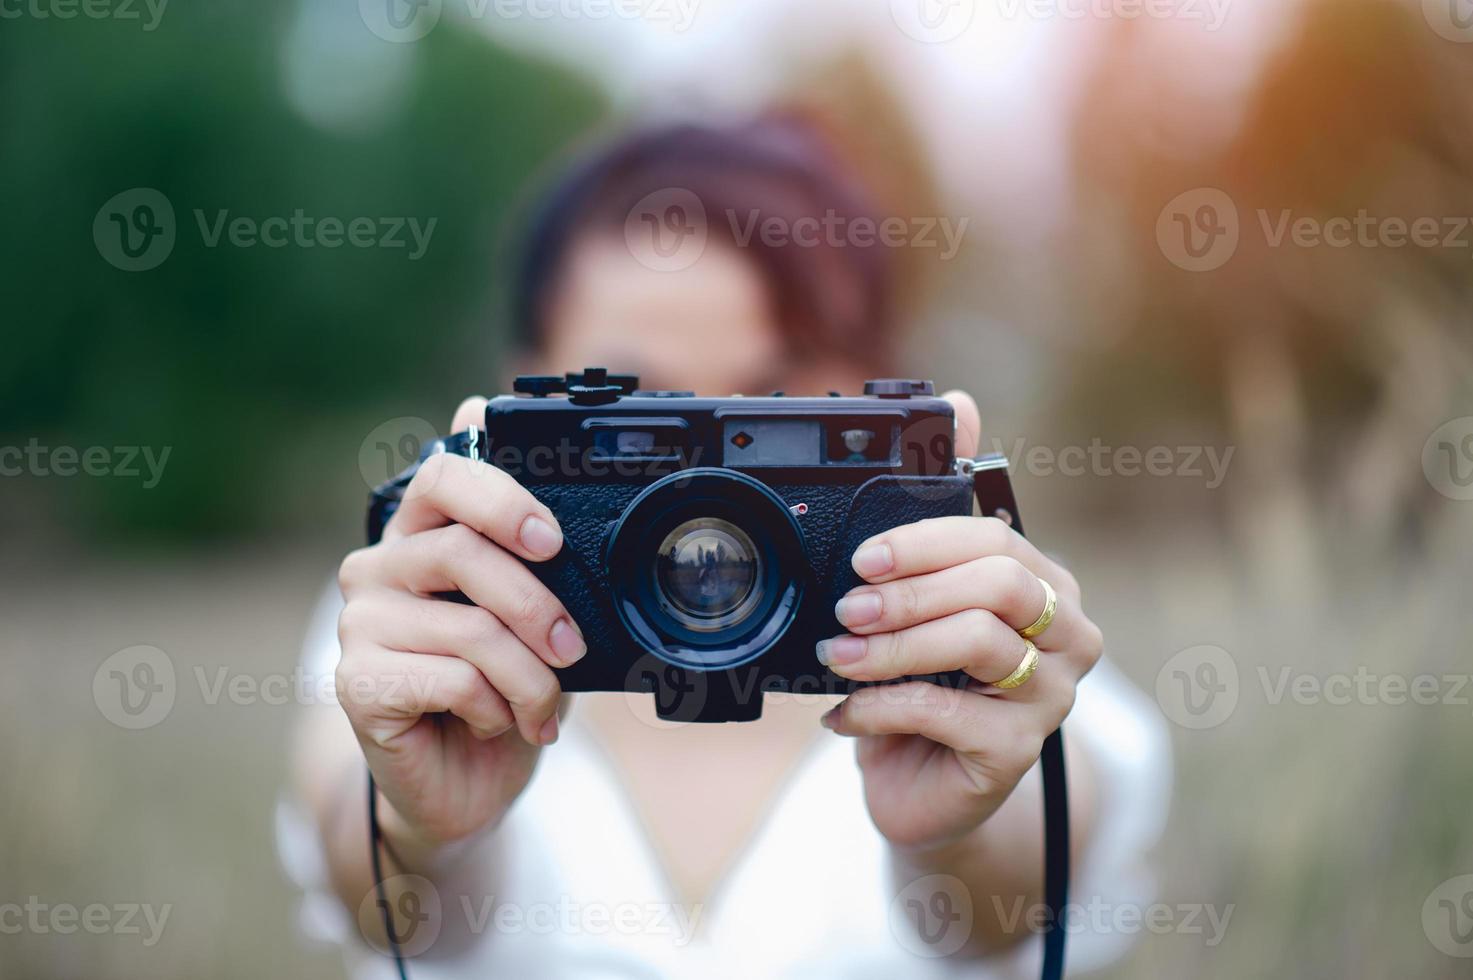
(898, 387)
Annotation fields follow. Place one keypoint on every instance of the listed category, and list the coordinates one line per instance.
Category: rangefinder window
(773, 442)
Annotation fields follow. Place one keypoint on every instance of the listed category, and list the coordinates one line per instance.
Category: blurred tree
(1327, 366)
(226, 353)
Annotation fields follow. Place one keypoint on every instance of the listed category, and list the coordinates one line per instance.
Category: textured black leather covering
(838, 519)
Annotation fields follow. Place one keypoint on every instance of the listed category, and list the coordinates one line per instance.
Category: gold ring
(1025, 670)
(1045, 618)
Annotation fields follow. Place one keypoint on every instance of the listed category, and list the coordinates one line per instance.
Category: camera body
(706, 540)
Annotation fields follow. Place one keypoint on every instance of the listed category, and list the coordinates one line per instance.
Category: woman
(771, 848)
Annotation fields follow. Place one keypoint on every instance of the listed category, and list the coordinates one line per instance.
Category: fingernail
(540, 538)
(873, 560)
(566, 642)
(830, 718)
(859, 608)
(548, 734)
(840, 650)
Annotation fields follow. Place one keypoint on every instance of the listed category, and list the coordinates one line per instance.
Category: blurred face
(708, 328)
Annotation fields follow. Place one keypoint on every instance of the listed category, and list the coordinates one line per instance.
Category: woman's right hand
(450, 702)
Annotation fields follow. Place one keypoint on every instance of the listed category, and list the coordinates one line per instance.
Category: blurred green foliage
(226, 353)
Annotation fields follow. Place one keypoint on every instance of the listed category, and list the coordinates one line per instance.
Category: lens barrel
(707, 568)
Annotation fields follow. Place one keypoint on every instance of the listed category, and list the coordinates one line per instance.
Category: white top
(582, 896)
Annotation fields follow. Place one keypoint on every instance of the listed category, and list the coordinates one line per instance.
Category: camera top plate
(898, 427)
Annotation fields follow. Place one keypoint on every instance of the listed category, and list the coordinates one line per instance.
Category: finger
(449, 629)
(940, 542)
(455, 490)
(968, 423)
(456, 558)
(998, 583)
(989, 731)
(385, 693)
(973, 640)
(957, 718)
(472, 411)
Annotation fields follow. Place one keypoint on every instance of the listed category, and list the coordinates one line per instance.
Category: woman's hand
(450, 702)
(952, 593)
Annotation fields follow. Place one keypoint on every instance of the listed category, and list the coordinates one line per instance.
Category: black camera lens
(708, 574)
(707, 568)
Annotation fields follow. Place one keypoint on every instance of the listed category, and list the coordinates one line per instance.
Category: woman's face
(708, 328)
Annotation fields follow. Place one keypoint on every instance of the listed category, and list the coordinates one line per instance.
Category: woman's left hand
(951, 593)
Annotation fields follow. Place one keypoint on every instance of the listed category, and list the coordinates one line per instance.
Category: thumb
(472, 411)
(968, 423)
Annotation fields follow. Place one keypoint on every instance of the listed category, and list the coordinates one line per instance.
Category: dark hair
(827, 299)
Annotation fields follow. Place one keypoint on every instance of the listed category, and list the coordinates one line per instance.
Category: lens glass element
(708, 574)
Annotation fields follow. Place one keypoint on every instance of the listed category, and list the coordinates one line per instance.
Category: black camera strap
(993, 490)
